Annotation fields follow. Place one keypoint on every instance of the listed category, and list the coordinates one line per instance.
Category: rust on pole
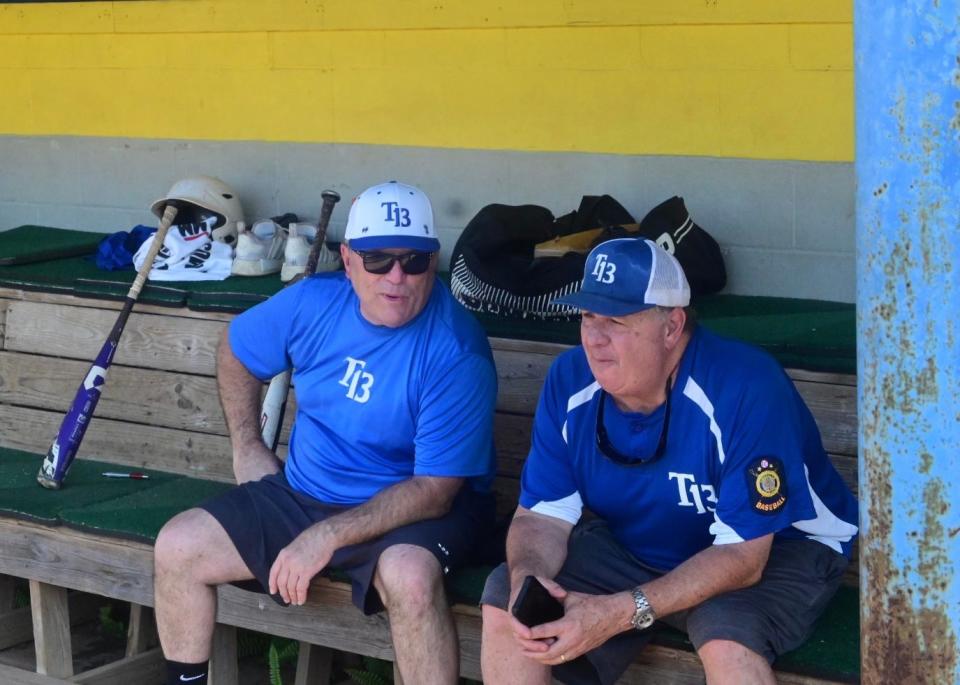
(908, 336)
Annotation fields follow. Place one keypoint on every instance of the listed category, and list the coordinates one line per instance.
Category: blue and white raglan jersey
(743, 458)
(375, 405)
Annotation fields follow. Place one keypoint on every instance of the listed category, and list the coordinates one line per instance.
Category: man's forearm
(239, 394)
(536, 545)
(240, 399)
(713, 571)
(415, 499)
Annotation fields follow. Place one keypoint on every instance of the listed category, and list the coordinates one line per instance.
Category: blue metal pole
(908, 337)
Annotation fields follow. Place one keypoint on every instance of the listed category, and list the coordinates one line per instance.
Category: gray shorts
(770, 618)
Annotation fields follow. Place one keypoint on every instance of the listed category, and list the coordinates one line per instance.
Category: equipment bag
(670, 226)
(494, 268)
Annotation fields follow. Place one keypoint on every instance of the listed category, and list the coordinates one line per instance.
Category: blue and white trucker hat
(628, 275)
(391, 215)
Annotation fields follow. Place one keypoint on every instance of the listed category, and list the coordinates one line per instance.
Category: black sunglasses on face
(610, 452)
(412, 263)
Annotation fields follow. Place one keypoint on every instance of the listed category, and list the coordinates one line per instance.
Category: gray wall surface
(785, 228)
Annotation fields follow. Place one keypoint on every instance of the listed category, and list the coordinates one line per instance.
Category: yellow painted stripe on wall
(758, 79)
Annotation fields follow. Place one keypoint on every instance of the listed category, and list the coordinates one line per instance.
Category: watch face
(643, 621)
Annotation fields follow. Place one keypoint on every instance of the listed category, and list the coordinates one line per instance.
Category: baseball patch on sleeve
(766, 485)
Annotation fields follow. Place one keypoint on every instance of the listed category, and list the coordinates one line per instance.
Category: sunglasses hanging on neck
(610, 452)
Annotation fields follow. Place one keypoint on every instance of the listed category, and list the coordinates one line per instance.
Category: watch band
(644, 615)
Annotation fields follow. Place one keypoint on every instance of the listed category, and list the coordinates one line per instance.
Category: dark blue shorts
(770, 618)
(264, 516)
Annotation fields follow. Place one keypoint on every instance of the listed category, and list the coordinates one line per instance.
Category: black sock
(194, 674)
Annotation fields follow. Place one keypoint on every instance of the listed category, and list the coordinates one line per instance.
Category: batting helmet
(200, 197)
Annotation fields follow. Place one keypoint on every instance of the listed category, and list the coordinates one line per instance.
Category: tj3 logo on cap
(400, 216)
(604, 270)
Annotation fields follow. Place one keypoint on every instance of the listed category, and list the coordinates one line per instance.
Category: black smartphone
(535, 605)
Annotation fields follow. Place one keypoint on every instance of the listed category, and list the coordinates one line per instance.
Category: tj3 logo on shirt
(692, 494)
(357, 381)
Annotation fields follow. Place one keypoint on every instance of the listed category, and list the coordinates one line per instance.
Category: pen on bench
(116, 474)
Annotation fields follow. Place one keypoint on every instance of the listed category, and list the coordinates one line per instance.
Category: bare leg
(410, 584)
(500, 657)
(193, 554)
(730, 663)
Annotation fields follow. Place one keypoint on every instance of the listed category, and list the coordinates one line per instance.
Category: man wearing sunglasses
(390, 459)
(716, 507)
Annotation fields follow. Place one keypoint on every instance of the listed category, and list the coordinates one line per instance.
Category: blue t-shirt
(375, 405)
(743, 458)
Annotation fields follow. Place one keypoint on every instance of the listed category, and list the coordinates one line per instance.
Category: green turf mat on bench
(834, 648)
(141, 515)
(26, 244)
(22, 497)
(233, 294)
(68, 275)
(117, 507)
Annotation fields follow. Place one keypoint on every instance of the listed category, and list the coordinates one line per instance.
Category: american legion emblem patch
(766, 485)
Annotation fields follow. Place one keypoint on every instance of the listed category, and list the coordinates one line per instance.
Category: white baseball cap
(391, 215)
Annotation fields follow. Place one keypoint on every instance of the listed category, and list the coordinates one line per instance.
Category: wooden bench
(160, 410)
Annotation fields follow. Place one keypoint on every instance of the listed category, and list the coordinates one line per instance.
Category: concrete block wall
(786, 228)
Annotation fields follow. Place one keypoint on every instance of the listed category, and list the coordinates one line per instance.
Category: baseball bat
(275, 400)
(64, 448)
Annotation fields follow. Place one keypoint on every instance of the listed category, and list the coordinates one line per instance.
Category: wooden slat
(520, 376)
(141, 630)
(189, 453)
(144, 396)
(9, 675)
(3, 321)
(834, 407)
(51, 629)
(161, 398)
(72, 559)
(224, 669)
(314, 665)
(147, 667)
(828, 377)
(527, 346)
(96, 303)
(149, 341)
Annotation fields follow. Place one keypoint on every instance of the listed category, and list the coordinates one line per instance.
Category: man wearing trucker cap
(716, 507)
(390, 458)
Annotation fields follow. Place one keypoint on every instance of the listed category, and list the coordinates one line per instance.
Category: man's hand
(588, 622)
(299, 562)
(254, 462)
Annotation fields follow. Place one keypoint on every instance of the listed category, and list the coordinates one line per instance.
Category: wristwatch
(645, 615)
